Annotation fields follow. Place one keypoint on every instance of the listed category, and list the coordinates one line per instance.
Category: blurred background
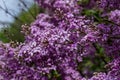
(14, 14)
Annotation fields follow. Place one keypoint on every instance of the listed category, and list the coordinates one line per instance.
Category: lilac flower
(115, 16)
(110, 5)
(59, 40)
(101, 76)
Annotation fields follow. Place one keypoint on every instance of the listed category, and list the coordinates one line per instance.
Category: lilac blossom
(59, 40)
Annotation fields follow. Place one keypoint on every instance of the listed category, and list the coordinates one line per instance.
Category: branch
(27, 8)
(7, 12)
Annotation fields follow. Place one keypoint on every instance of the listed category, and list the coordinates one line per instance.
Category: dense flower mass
(60, 41)
(110, 4)
(115, 16)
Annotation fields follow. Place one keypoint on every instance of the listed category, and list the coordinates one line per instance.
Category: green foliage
(83, 2)
(54, 74)
(94, 63)
(94, 14)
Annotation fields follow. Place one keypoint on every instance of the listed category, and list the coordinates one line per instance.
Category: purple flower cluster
(115, 69)
(110, 4)
(115, 16)
(110, 39)
(58, 41)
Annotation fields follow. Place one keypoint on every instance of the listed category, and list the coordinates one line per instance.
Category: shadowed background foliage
(12, 32)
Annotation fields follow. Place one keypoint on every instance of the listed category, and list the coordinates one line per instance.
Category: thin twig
(27, 8)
